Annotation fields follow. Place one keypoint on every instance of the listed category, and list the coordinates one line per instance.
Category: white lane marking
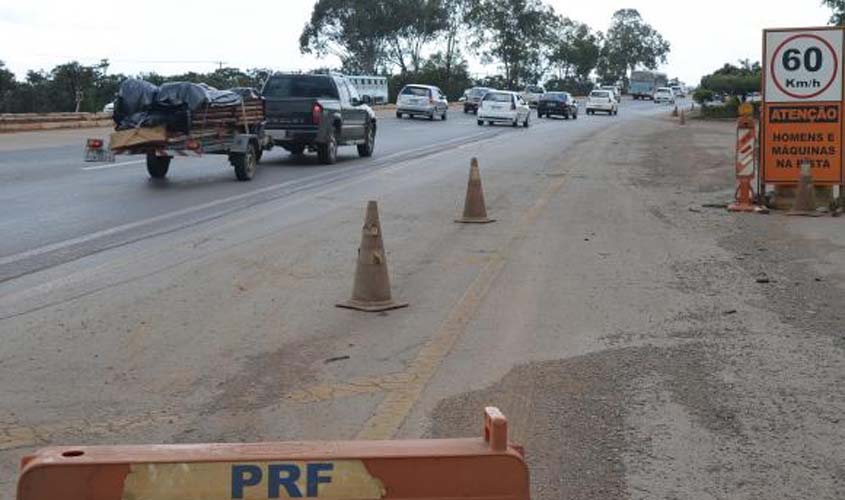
(112, 165)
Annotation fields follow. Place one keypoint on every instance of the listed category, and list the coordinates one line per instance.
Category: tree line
(429, 41)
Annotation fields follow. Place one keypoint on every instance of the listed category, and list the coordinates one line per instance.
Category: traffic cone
(675, 112)
(683, 118)
(475, 212)
(371, 290)
(805, 195)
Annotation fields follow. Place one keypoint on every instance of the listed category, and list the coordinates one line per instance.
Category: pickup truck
(317, 113)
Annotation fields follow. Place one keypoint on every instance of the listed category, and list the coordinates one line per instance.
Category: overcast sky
(174, 37)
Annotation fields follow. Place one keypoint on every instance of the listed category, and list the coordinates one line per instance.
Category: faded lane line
(397, 404)
(112, 165)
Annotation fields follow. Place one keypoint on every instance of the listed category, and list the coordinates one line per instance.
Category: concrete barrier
(23, 122)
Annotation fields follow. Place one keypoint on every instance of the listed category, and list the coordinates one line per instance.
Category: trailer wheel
(157, 166)
(244, 163)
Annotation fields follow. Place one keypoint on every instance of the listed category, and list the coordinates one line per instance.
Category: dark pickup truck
(317, 113)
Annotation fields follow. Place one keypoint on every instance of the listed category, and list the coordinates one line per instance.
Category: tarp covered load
(184, 106)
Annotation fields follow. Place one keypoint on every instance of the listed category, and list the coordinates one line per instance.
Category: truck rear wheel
(327, 153)
(366, 150)
(245, 163)
(157, 166)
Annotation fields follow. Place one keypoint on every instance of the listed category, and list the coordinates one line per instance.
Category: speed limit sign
(803, 66)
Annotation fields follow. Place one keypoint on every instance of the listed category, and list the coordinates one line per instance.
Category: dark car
(473, 98)
(557, 104)
(317, 113)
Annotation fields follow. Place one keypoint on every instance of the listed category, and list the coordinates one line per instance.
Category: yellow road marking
(402, 390)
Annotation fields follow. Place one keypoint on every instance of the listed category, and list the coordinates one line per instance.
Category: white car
(664, 94)
(421, 100)
(602, 101)
(679, 91)
(109, 108)
(533, 93)
(616, 93)
(501, 106)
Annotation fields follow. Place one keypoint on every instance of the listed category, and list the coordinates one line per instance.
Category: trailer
(644, 84)
(188, 120)
(244, 149)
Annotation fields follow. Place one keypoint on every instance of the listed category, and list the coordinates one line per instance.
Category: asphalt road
(59, 208)
(618, 323)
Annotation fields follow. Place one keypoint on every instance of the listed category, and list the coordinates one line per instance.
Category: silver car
(421, 100)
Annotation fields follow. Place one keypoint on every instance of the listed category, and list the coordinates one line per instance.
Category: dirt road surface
(643, 346)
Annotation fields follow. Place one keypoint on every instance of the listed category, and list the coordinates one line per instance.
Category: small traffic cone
(675, 112)
(475, 212)
(683, 118)
(371, 290)
(805, 195)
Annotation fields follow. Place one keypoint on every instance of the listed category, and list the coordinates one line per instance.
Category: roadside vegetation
(430, 41)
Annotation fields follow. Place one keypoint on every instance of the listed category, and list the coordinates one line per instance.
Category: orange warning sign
(795, 133)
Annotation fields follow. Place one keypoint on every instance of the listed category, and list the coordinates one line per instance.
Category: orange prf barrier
(481, 468)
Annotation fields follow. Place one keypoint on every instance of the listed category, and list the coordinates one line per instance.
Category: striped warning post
(746, 139)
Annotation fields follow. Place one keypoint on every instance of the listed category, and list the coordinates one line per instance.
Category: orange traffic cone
(683, 118)
(675, 112)
(475, 212)
(371, 290)
(805, 195)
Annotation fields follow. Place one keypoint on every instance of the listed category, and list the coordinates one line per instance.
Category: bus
(373, 86)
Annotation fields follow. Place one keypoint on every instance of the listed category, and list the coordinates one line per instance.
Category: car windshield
(497, 97)
(534, 90)
(556, 96)
(600, 94)
(415, 91)
(477, 92)
(285, 86)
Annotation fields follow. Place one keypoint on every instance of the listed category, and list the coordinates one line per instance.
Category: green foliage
(837, 18)
(515, 33)
(630, 43)
(575, 50)
(734, 80)
(575, 86)
(434, 71)
(703, 95)
(92, 87)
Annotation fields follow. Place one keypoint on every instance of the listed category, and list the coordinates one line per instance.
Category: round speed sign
(804, 66)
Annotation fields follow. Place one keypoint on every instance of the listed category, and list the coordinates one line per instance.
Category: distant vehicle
(679, 91)
(473, 98)
(664, 95)
(557, 104)
(317, 113)
(644, 84)
(617, 94)
(504, 107)
(602, 101)
(421, 100)
(532, 94)
(755, 97)
(373, 86)
(109, 108)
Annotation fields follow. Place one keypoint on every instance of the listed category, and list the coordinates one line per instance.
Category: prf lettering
(280, 480)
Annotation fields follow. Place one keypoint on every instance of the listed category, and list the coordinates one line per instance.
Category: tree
(352, 30)
(838, 8)
(515, 33)
(7, 87)
(734, 80)
(457, 12)
(575, 50)
(630, 42)
(410, 27)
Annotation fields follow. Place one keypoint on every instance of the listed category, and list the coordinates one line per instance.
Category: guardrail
(23, 122)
